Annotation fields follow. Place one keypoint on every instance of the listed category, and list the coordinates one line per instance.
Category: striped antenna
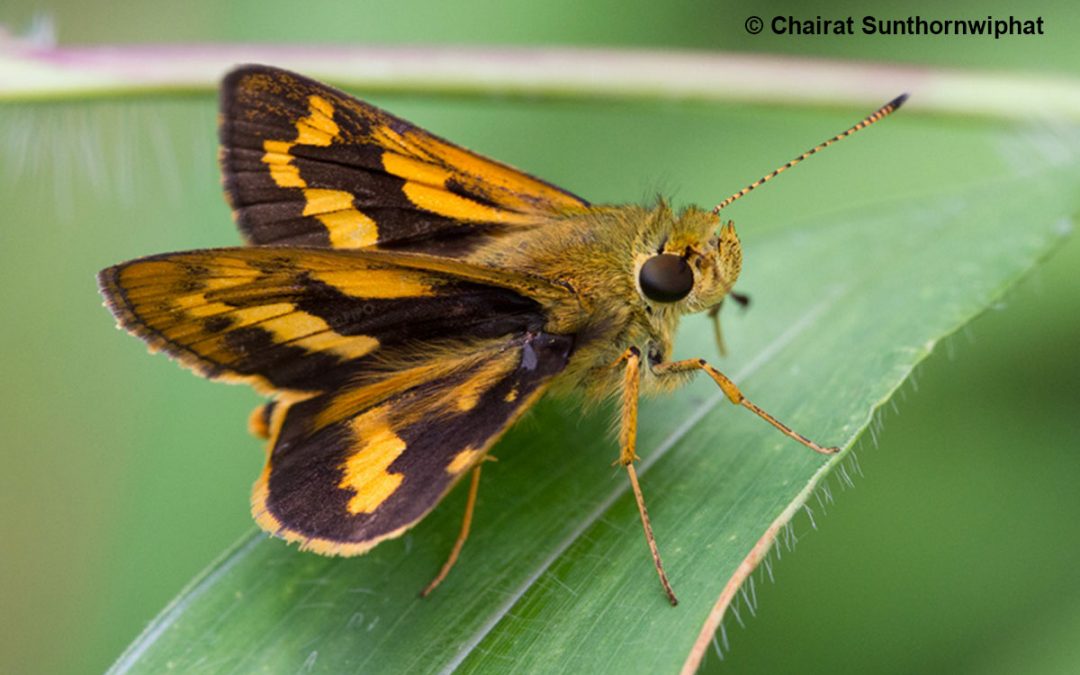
(880, 114)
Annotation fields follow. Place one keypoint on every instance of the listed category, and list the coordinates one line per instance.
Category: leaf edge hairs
(403, 300)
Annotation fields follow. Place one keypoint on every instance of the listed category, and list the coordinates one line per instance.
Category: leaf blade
(327, 613)
(692, 475)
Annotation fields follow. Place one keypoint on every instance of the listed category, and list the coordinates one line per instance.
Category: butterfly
(403, 301)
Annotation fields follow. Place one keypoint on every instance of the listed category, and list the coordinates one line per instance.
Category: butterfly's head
(699, 262)
(696, 266)
(697, 270)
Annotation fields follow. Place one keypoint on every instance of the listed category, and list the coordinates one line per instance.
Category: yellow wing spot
(348, 227)
(237, 277)
(144, 279)
(351, 347)
(352, 399)
(444, 203)
(470, 166)
(326, 201)
(385, 137)
(261, 314)
(149, 269)
(276, 155)
(511, 395)
(467, 394)
(414, 170)
(318, 128)
(312, 333)
(197, 307)
(366, 471)
(268, 522)
(375, 283)
(463, 460)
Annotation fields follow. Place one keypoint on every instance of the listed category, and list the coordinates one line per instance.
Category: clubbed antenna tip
(898, 101)
(877, 115)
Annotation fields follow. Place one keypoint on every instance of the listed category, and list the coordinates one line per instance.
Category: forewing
(307, 164)
(302, 319)
(348, 469)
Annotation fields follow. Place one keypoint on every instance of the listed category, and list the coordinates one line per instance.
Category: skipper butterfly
(404, 300)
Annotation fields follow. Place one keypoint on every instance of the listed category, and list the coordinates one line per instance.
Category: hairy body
(598, 258)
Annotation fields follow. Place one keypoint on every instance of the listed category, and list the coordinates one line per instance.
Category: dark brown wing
(305, 319)
(350, 468)
(306, 164)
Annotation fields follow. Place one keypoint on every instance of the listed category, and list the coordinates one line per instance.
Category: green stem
(28, 74)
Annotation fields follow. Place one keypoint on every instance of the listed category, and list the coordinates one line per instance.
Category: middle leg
(627, 455)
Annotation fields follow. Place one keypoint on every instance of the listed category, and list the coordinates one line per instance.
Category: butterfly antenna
(878, 115)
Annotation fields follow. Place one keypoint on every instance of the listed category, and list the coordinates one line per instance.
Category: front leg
(671, 368)
(627, 456)
(628, 419)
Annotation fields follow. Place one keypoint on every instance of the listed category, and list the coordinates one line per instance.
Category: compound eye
(666, 278)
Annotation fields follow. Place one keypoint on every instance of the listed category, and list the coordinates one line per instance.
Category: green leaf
(556, 575)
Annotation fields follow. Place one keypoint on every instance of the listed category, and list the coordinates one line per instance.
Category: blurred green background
(124, 476)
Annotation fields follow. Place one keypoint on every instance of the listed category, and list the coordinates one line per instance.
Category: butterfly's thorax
(597, 256)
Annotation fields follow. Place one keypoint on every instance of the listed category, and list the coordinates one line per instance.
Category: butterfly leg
(718, 333)
(714, 314)
(474, 488)
(627, 455)
(735, 396)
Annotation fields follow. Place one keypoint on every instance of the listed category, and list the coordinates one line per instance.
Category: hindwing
(350, 468)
